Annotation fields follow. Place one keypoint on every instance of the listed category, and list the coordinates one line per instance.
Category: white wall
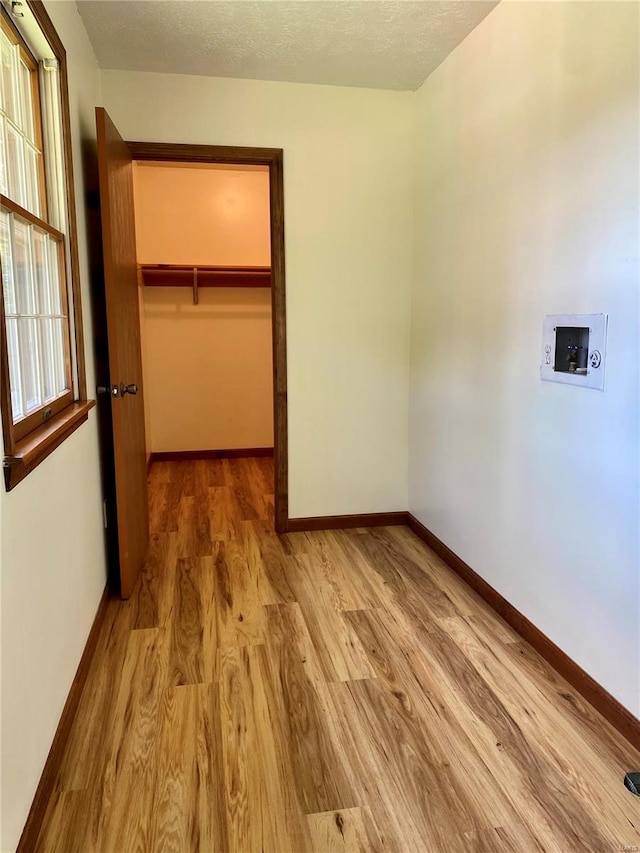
(348, 219)
(527, 204)
(52, 554)
(207, 368)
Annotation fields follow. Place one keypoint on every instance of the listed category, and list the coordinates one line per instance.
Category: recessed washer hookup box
(574, 349)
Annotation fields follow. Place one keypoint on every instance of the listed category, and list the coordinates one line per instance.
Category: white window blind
(32, 248)
(52, 134)
(19, 178)
(35, 314)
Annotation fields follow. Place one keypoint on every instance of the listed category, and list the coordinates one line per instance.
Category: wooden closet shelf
(178, 275)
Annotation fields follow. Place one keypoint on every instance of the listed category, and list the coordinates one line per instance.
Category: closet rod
(195, 277)
(181, 275)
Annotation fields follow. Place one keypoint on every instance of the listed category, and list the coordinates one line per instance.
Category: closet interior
(204, 275)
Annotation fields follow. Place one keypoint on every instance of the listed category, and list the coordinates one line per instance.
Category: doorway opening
(203, 242)
(210, 246)
(119, 368)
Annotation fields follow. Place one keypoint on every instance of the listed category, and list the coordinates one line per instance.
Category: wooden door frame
(271, 157)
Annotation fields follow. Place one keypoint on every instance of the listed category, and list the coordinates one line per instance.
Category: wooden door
(124, 356)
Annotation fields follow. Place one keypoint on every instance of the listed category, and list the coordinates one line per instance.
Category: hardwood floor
(336, 691)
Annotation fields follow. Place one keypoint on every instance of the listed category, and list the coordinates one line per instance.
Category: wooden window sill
(31, 450)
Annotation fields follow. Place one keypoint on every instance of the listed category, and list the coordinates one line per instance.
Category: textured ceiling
(382, 44)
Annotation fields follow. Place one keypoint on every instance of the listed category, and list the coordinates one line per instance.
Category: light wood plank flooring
(332, 691)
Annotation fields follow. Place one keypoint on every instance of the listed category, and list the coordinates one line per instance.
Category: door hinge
(104, 514)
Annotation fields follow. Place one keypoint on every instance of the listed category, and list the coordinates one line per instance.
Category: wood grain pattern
(279, 317)
(343, 522)
(259, 776)
(61, 739)
(187, 794)
(189, 455)
(594, 693)
(344, 831)
(6, 412)
(322, 691)
(30, 217)
(131, 763)
(17, 466)
(125, 357)
(233, 154)
(34, 448)
(172, 275)
(186, 662)
(46, 25)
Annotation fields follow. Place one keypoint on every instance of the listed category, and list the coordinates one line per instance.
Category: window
(43, 392)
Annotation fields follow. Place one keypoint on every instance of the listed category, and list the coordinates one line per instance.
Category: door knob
(128, 389)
